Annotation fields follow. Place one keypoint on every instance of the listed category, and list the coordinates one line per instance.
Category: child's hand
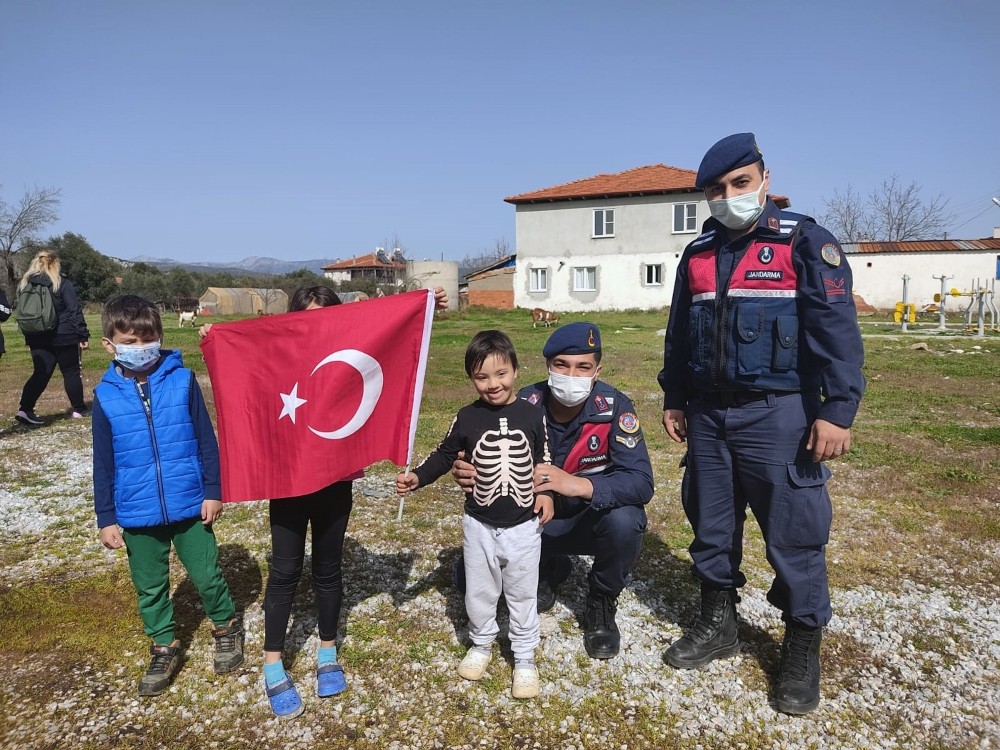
(406, 481)
(545, 508)
(111, 537)
(210, 511)
(203, 330)
(440, 298)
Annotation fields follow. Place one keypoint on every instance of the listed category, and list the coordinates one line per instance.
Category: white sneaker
(473, 666)
(525, 682)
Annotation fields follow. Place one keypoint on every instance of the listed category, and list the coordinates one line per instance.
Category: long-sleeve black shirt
(504, 443)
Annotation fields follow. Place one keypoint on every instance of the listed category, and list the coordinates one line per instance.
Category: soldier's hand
(675, 424)
(827, 440)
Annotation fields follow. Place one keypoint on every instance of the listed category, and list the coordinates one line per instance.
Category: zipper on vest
(156, 453)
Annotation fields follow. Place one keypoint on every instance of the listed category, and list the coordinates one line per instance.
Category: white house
(607, 242)
(879, 267)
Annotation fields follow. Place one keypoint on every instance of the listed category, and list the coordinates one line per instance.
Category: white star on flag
(291, 403)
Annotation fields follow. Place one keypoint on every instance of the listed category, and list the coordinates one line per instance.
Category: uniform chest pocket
(784, 356)
(749, 346)
(700, 338)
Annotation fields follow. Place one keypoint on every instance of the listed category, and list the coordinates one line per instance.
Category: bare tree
(488, 256)
(20, 225)
(891, 213)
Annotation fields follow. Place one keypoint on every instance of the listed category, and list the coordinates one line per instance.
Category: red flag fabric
(308, 398)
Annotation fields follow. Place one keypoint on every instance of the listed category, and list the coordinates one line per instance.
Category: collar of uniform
(770, 219)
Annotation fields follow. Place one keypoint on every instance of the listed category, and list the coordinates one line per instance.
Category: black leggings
(328, 511)
(45, 361)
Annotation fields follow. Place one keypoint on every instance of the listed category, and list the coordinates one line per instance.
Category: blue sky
(214, 131)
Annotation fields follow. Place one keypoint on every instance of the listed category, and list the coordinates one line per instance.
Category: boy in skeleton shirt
(502, 525)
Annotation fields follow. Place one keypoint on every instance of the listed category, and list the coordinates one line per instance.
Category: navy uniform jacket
(603, 443)
(780, 318)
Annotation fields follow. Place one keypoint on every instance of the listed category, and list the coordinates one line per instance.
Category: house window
(685, 217)
(539, 280)
(585, 279)
(604, 222)
(654, 275)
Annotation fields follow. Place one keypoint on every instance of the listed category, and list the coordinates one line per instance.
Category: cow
(187, 316)
(538, 315)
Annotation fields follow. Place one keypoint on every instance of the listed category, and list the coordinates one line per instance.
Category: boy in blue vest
(156, 474)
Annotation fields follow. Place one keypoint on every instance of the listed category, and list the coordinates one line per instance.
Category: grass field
(917, 514)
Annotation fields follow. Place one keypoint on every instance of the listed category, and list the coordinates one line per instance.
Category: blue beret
(732, 152)
(573, 338)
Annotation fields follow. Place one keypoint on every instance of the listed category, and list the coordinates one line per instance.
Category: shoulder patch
(835, 286)
(534, 398)
(629, 441)
(703, 238)
(830, 254)
(628, 422)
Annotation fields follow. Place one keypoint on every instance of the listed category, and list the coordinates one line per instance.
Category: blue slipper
(284, 699)
(330, 680)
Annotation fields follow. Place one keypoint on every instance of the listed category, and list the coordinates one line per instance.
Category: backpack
(36, 309)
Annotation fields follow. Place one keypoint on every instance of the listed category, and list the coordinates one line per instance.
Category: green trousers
(149, 562)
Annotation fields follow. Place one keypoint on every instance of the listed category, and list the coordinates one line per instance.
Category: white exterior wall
(427, 274)
(558, 236)
(878, 277)
(338, 275)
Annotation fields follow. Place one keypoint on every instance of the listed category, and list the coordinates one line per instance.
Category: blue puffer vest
(158, 473)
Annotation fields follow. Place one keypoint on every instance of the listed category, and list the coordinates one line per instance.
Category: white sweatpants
(499, 559)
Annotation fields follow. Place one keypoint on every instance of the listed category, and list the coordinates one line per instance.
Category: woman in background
(61, 346)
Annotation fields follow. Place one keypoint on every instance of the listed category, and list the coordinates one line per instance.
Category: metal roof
(921, 246)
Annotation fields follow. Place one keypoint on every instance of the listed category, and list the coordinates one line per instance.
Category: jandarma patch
(628, 422)
(830, 254)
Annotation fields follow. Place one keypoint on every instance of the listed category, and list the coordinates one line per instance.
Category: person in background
(157, 484)
(762, 377)
(5, 312)
(61, 346)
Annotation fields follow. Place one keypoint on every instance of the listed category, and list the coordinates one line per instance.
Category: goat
(538, 315)
(187, 316)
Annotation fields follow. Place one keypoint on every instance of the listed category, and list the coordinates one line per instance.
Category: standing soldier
(762, 376)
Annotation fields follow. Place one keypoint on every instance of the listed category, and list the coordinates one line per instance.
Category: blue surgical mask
(138, 357)
(740, 211)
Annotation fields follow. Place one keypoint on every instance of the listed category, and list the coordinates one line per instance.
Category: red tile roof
(655, 179)
(921, 246)
(362, 261)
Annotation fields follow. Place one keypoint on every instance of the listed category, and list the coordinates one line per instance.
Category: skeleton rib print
(503, 467)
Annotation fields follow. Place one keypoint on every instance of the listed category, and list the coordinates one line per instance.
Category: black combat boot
(713, 636)
(601, 637)
(798, 682)
(552, 573)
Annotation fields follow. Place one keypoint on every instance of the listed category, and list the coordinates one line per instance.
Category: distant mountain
(251, 265)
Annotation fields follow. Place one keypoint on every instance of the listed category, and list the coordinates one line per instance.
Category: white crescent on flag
(371, 376)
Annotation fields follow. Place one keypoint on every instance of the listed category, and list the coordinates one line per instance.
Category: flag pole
(402, 498)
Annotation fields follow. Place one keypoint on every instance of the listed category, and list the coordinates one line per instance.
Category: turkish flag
(308, 398)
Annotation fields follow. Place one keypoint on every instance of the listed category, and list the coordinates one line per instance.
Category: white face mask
(569, 390)
(740, 211)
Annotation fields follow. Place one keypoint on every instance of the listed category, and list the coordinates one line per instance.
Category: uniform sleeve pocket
(803, 514)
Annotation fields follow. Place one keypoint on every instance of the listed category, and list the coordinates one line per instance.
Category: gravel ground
(913, 668)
